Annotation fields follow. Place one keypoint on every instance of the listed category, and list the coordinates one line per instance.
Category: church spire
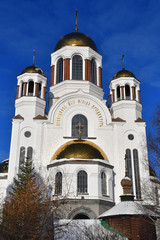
(123, 60)
(33, 57)
(76, 29)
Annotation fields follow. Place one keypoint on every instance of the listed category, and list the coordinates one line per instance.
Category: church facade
(81, 148)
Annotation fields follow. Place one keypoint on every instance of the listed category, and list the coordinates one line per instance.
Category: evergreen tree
(27, 213)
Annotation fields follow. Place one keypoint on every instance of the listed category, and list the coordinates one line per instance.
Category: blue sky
(131, 27)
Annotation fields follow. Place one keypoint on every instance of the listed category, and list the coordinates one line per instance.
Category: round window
(130, 137)
(27, 134)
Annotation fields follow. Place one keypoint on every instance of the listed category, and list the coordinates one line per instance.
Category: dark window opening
(127, 92)
(77, 68)
(81, 216)
(103, 183)
(129, 165)
(93, 72)
(137, 175)
(82, 182)
(118, 93)
(22, 89)
(59, 74)
(30, 88)
(29, 153)
(21, 156)
(58, 183)
(79, 122)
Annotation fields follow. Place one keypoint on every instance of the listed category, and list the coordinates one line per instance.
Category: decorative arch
(82, 211)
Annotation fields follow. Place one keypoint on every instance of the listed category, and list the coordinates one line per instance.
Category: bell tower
(30, 105)
(125, 95)
(31, 92)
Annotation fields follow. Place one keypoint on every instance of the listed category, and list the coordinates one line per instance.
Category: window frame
(82, 182)
(103, 183)
(59, 70)
(74, 126)
(58, 183)
(75, 66)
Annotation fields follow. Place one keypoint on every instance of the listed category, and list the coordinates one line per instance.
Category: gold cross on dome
(33, 57)
(79, 130)
(76, 29)
(123, 61)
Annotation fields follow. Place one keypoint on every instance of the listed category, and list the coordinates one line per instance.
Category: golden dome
(33, 69)
(79, 149)
(126, 183)
(123, 73)
(76, 39)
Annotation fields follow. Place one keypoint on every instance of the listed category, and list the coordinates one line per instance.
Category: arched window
(59, 73)
(118, 93)
(93, 71)
(127, 92)
(21, 156)
(79, 122)
(137, 175)
(129, 164)
(135, 89)
(77, 67)
(103, 183)
(22, 89)
(58, 183)
(29, 153)
(82, 183)
(39, 90)
(30, 88)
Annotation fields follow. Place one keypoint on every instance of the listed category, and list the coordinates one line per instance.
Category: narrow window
(22, 89)
(118, 93)
(77, 67)
(127, 92)
(58, 183)
(137, 175)
(82, 182)
(103, 183)
(21, 156)
(29, 153)
(93, 72)
(135, 89)
(129, 164)
(39, 90)
(30, 88)
(59, 74)
(79, 123)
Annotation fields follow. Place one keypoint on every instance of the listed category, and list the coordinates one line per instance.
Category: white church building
(80, 147)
